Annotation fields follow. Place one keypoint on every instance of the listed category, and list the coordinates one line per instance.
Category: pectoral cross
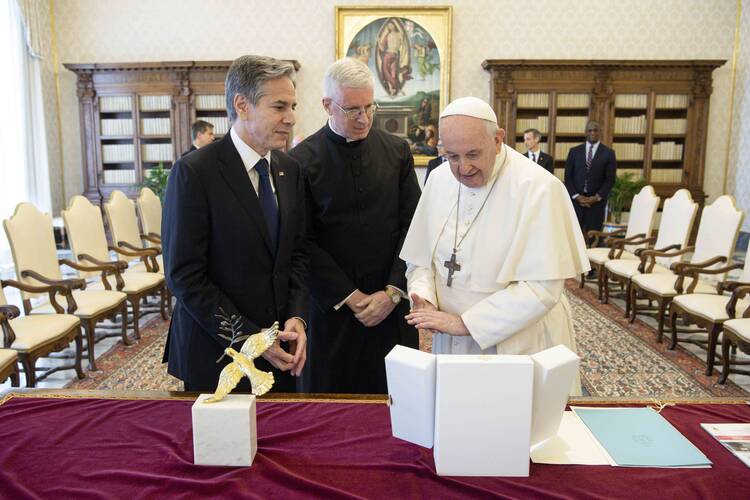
(452, 267)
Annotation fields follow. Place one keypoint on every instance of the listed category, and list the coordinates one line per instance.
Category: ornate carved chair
(736, 334)
(676, 223)
(85, 229)
(149, 212)
(717, 235)
(32, 337)
(126, 238)
(9, 366)
(32, 243)
(637, 235)
(708, 311)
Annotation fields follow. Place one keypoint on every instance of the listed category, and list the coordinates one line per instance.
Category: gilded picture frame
(408, 50)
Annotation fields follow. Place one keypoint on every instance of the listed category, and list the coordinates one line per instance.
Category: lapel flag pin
(281, 174)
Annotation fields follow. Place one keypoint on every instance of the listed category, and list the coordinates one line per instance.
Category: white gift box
(483, 415)
(224, 433)
(411, 390)
(555, 369)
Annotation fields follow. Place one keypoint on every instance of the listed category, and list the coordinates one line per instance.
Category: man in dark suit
(531, 138)
(361, 193)
(202, 133)
(435, 162)
(233, 235)
(590, 172)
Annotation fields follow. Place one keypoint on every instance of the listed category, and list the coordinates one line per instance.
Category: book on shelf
(115, 104)
(537, 100)
(156, 152)
(733, 437)
(666, 175)
(667, 150)
(563, 148)
(671, 101)
(631, 101)
(155, 126)
(210, 102)
(220, 123)
(571, 124)
(116, 126)
(155, 102)
(541, 123)
(119, 176)
(118, 153)
(630, 125)
(670, 126)
(567, 101)
(628, 151)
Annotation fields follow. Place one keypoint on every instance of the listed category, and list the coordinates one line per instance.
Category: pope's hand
(376, 308)
(298, 346)
(277, 356)
(420, 304)
(438, 321)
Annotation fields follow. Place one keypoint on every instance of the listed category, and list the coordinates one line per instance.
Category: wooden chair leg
(673, 327)
(136, 304)
(725, 344)
(599, 286)
(605, 279)
(660, 319)
(124, 312)
(713, 336)
(89, 327)
(29, 368)
(628, 286)
(583, 277)
(79, 355)
(633, 304)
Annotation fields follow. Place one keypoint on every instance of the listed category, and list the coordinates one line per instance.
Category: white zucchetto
(470, 106)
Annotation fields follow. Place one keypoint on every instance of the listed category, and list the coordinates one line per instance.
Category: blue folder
(640, 437)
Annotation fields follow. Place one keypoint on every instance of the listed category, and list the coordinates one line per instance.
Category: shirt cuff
(341, 304)
(575, 196)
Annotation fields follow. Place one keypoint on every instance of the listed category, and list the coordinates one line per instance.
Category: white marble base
(483, 415)
(411, 388)
(224, 433)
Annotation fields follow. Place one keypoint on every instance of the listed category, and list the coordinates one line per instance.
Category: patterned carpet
(619, 359)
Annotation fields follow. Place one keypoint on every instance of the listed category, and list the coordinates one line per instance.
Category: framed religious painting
(408, 51)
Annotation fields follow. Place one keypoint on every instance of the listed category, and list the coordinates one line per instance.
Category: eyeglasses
(354, 113)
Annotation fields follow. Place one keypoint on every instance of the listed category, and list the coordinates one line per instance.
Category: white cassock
(514, 259)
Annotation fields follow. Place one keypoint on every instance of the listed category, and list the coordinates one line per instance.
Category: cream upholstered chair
(637, 235)
(736, 334)
(149, 212)
(676, 223)
(32, 244)
(126, 238)
(708, 311)
(717, 235)
(9, 366)
(85, 229)
(32, 337)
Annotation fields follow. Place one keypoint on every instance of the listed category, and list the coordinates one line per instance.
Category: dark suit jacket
(601, 175)
(218, 257)
(192, 148)
(545, 161)
(432, 165)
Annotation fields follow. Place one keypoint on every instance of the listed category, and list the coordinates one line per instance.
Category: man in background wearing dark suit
(531, 138)
(435, 162)
(202, 133)
(233, 235)
(590, 172)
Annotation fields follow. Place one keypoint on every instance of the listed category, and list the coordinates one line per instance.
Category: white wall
(152, 30)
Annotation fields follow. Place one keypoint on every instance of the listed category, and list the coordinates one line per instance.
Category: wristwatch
(393, 295)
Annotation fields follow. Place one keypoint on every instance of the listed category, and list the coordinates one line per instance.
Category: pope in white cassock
(491, 243)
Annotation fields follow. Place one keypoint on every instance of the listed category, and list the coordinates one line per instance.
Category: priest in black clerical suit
(590, 173)
(233, 236)
(361, 193)
(435, 162)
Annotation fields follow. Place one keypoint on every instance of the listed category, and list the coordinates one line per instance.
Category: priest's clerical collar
(340, 138)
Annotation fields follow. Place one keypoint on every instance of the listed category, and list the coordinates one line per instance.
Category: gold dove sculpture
(243, 366)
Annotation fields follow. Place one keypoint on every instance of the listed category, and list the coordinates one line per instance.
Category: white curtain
(24, 169)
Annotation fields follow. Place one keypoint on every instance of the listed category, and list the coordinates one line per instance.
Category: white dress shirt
(249, 158)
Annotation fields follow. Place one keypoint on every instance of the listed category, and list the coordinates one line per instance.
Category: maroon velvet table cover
(76, 448)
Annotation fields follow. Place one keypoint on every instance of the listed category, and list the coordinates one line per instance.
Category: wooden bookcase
(654, 114)
(137, 115)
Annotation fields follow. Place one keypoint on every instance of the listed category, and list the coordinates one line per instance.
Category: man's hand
(439, 321)
(298, 346)
(355, 299)
(277, 356)
(583, 201)
(420, 304)
(375, 308)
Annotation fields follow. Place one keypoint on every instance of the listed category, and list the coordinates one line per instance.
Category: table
(98, 444)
